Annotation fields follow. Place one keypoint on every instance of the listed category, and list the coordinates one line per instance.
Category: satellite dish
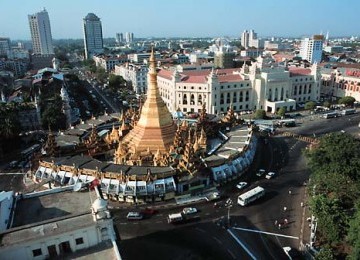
(78, 186)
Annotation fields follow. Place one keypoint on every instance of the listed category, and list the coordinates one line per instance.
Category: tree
(281, 112)
(101, 74)
(325, 254)
(260, 114)
(326, 104)
(116, 82)
(354, 233)
(310, 105)
(347, 101)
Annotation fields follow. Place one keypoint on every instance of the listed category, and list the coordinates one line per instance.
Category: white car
(241, 185)
(270, 175)
(134, 215)
(260, 172)
(292, 253)
(188, 211)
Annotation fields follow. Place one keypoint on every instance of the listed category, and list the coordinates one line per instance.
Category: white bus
(175, 218)
(348, 111)
(330, 115)
(251, 195)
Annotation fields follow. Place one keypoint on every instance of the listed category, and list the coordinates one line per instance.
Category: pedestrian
(285, 208)
(276, 222)
(279, 226)
(302, 204)
(285, 221)
(289, 192)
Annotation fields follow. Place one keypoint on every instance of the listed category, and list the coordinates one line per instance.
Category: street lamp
(229, 204)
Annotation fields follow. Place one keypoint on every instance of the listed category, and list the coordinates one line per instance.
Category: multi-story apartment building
(129, 37)
(119, 38)
(93, 38)
(41, 33)
(340, 82)
(140, 57)
(5, 49)
(311, 48)
(136, 74)
(261, 86)
(108, 63)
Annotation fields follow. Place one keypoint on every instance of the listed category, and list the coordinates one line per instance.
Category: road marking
(267, 233)
(201, 230)
(207, 214)
(217, 240)
(241, 244)
(231, 253)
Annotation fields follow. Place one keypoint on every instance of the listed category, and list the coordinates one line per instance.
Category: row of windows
(191, 87)
(305, 79)
(38, 251)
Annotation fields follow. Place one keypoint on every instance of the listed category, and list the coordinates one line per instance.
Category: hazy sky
(193, 18)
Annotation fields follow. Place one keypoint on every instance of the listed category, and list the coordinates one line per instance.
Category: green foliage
(335, 186)
(101, 74)
(260, 114)
(310, 105)
(53, 116)
(354, 233)
(326, 104)
(325, 254)
(331, 217)
(347, 101)
(116, 82)
(281, 111)
(90, 65)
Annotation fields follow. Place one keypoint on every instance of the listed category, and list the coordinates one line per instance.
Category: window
(37, 252)
(79, 241)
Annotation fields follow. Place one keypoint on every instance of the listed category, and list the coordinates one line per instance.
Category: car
(260, 172)
(133, 215)
(189, 211)
(149, 211)
(270, 175)
(292, 253)
(241, 185)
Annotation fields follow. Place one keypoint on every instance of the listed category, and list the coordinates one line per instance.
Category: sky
(186, 18)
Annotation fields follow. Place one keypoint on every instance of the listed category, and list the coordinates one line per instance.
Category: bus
(251, 195)
(348, 111)
(330, 115)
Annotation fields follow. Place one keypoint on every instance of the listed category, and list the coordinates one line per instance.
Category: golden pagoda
(155, 129)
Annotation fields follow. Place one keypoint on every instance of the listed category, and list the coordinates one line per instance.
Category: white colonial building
(108, 63)
(136, 74)
(263, 85)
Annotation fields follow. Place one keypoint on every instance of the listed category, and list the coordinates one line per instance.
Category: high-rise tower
(93, 38)
(41, 33)
(311, 48)
(155, 130)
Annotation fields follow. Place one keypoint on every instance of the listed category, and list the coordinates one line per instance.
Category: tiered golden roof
(155, 129)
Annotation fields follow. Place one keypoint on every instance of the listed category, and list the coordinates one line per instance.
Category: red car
(149, 211)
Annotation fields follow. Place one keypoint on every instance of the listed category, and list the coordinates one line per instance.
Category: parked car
(133, 215)
(292, 253)
(241, 185)
(188, 211)
(270, 175)
(260, 172)
(149, 212)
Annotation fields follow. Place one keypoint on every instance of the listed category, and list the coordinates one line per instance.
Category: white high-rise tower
(311, 48)
(41, 33)
(93, 38)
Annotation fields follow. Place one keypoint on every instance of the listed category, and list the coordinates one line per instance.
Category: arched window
(276, 95)
(185, 99)
(247, 96)
(295, 90)
(228, 98)
(199, 99)
(269, 95)
(221, 98)
(282, 94)
(241, 97)
(234, 97)
(192, 99)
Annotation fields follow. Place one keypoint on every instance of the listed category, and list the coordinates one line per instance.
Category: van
(175, 218)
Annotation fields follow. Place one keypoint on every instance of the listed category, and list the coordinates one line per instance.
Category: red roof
(230, 78)
(296, 71)
(194, 79)
(165, 74)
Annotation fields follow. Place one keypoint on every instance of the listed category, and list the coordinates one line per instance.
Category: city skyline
(188, 18)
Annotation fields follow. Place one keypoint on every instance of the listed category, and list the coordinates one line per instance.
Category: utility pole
(228, 204)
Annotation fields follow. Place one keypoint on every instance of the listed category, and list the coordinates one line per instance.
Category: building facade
(93, 37)
(340, 82)
(108, 63)
(41, 33)
(5, 49)
(129, 37)
(311, 48)
(136, 74)
(260, 86)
